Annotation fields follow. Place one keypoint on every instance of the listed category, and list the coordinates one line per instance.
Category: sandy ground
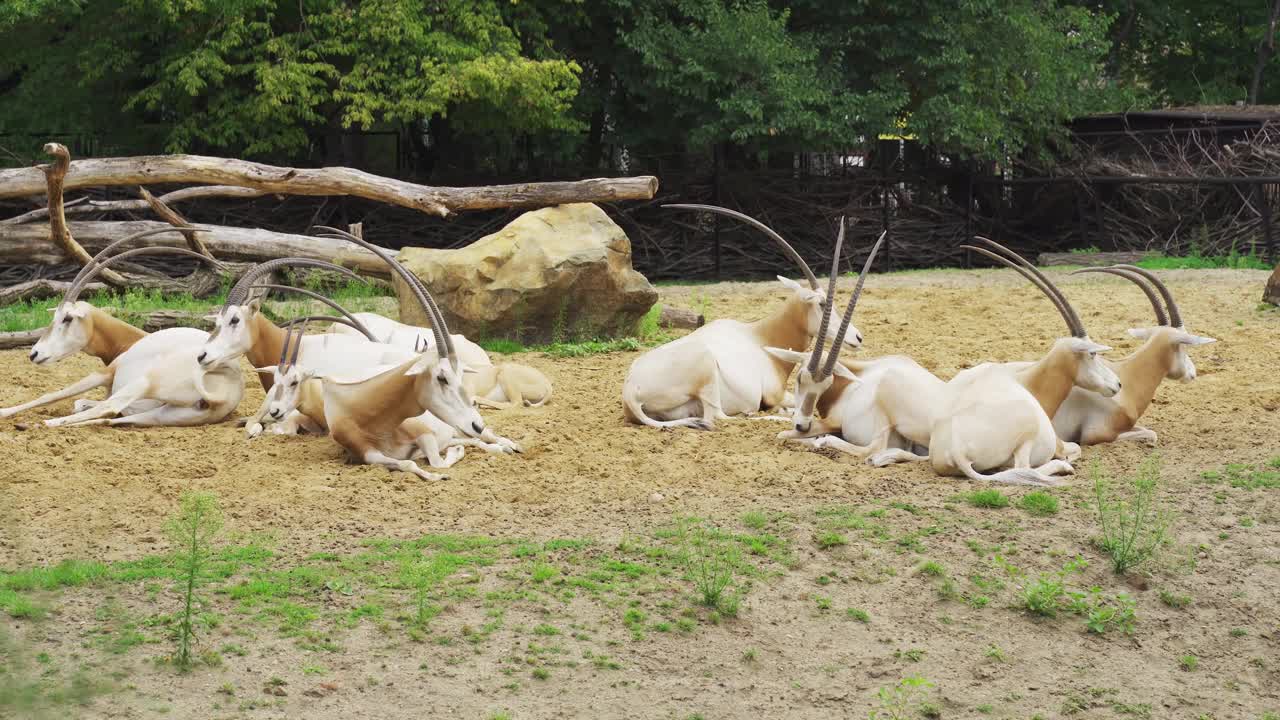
(105, 493)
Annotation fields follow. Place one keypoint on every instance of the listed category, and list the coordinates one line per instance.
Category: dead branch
(172, 217)
(439, 201)
(85, 205)
(55, 176)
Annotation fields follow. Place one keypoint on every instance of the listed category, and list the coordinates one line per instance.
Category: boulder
(555, 274)
(1272, 293)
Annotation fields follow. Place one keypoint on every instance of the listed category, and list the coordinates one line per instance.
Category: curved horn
(1161, 318)
(325, 318)
(786, 246)
(438, 326)
(1175, 316)
(73, 293)
(297, 345)
(1032, 278)
(816, 356)
(284, 349)
(122, 241)
(317, 296)
(853, 302)
(1074, 325)
(238, 293)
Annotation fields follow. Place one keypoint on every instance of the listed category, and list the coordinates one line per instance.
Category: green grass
(1133, 521)
(1039, 503)
(858, 614)
(1232, 261)
(987, 499)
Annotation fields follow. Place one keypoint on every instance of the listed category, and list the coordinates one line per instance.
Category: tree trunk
(674, 317)
(27, 244)
(1266, 48)
(440, 201)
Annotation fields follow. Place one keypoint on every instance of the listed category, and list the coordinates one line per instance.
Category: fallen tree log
(26, 338)
(442, 201)
(26, 244)
(674, 317)
(1094, 259)
(86, 205)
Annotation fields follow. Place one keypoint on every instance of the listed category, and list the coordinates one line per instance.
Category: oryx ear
(1087, 345)
(211, 318)
(1189, 339)
(255, 305)
(423, 365)
(469, 369)
(840, 370)
(787, 356)
(1140, 333)
(267, 370)
(790, 284)
(76, 310)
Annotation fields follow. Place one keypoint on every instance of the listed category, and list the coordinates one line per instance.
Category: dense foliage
(469, 81)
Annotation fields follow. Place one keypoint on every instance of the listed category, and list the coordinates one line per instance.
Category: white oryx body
(408, 337)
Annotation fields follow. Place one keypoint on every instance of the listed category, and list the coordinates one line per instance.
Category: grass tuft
(987, 499)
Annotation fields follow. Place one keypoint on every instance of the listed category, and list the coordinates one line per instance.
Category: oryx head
(234, 326)
(1089, 371)
(438, 372)
(287, 376)
(1169, 329)
(812, 299)
(72, 328)
(816, 376)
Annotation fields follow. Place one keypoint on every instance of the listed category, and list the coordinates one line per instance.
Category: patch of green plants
(192, 531)
(1049, 594)
(987, 499)
(1174, 600)
(858, 614)
(1189, 663)
(711, 564)
(1233, 260)
(1039, 503)
(1132, 519)
(907, 700)
(1248, 477)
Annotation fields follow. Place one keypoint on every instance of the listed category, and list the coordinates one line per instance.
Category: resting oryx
(864, 406)
(376, 417)
(722, 369)
(507, 385)
(78, 326)
(160, 367)
(991, 417)
(1089, 418)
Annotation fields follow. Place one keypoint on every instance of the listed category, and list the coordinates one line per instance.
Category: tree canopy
(276, 79)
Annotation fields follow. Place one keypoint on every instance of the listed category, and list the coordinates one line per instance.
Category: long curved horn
(104, 252)
(297, 345)
(317, 296)
(240, 291)
(1066, 317)
(1175, 315)
(438, 326)
(326, 318)
(1161, 318)
(1074, 325)
(284, 349)
(816, 356)
(853, 302)
(73, 293)
(786, 246)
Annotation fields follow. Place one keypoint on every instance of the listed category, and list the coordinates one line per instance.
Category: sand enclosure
(104, 494)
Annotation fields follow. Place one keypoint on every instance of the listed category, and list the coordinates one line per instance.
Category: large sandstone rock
(559, 273)
(1272, 293)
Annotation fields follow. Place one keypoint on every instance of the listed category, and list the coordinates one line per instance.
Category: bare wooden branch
(172, 217)
(25, 338)
(55, 176)
(442, 201)
(26, 244)
(87, 205)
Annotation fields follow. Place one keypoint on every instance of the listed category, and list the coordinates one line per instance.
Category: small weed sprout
(1190, 663)
(858, 614)
(1134, 526)
(710, 563)
(905, 701)
(192, 531)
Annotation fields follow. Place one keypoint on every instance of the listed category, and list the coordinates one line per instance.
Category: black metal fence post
(1268, 239)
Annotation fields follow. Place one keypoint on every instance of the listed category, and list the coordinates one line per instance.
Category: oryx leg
(894, 455)
(373, 456)
(835, 443)
(430, 448)
(1140, 434)
(113, 405)
(84, 385)
(492, 438)
(165, 415)
(494, 448)
(253, 425)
